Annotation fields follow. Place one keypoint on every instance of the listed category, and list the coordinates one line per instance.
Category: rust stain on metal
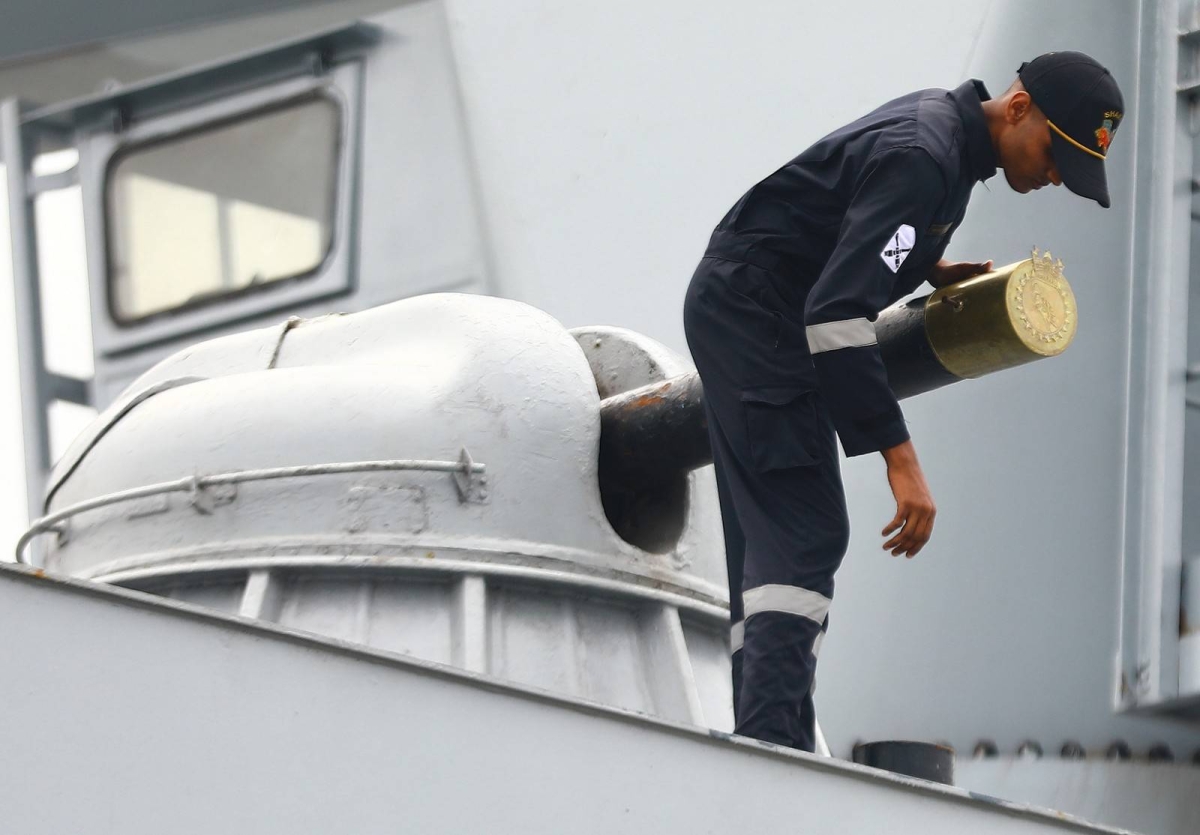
(645, 401)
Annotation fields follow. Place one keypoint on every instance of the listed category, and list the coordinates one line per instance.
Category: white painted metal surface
(402, 109)
(572, 160)
(1153, 798)
(1189, 631)
(308, 474)
(134, 715)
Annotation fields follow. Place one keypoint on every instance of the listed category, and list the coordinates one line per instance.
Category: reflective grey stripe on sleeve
(817, 643)
(788, 599)
(848, 333)
(737, 634)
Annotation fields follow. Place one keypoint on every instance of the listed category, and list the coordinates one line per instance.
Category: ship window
(222, 211)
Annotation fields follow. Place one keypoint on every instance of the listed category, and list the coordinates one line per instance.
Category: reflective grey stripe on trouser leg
(781, 626)
(820, 639)
(791, 600)
(787, 599)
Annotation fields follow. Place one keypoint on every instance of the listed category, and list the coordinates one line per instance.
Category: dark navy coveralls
(779, 318)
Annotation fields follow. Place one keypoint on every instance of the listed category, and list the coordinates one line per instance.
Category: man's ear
(1018, 106)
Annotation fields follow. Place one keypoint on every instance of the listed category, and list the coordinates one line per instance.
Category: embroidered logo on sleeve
(898, 247)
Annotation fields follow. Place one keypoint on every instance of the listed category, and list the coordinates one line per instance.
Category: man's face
(1025, 147)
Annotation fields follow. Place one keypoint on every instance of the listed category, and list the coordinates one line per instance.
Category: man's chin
(1019, 187)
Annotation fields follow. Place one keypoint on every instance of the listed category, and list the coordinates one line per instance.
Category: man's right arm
(892, 208)
(915, 511)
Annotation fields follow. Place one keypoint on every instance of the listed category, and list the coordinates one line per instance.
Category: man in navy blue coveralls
(779, 318)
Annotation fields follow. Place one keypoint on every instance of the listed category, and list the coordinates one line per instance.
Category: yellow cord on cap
(1083, 148)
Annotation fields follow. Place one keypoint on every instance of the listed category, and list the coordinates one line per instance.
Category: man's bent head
(1056, 123)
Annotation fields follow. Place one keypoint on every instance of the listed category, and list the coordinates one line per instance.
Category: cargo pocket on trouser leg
(782, 427)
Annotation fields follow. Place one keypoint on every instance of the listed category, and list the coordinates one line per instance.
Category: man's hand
(913, 523)
(947, 272)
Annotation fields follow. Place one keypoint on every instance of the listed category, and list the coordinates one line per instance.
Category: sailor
(779, 318)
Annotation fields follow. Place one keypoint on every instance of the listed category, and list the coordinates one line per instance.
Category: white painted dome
(327, 499)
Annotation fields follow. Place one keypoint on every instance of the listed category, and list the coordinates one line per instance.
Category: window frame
(127, 150)
(103, 148)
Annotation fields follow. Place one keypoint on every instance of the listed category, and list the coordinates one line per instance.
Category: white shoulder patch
(898, 247)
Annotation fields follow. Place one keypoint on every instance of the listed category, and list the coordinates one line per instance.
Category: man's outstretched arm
(892, 209)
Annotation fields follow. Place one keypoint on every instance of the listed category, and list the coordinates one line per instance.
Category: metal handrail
(196, 483)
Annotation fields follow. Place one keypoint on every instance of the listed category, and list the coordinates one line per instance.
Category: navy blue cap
(1084, 106)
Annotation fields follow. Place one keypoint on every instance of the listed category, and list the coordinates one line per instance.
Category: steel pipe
(652, 435)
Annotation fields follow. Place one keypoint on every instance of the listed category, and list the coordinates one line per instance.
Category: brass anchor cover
(1008, 317)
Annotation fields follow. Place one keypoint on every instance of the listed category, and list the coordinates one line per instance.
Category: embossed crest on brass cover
(1010, 316)
(1042, 303)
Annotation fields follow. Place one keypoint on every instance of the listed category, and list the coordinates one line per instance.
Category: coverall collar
(981, 156)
